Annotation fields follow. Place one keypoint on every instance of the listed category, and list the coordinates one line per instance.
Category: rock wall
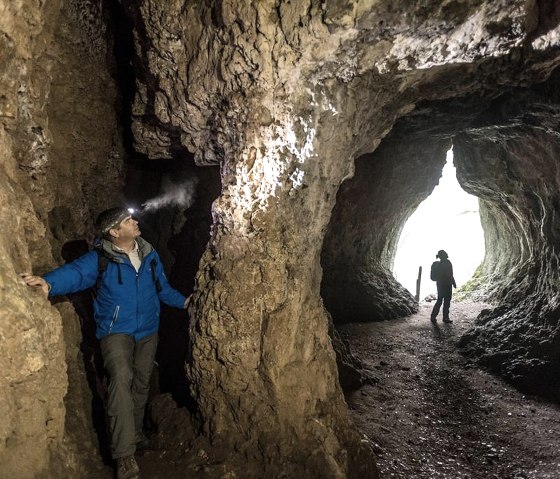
(284, 96)
(60, 160)
(512, 165)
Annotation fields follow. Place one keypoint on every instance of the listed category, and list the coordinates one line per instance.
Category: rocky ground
(432, 414)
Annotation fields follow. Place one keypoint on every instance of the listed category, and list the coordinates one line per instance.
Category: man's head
(117, 224)
(442, 254)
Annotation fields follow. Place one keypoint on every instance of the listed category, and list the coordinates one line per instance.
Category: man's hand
(36, 281)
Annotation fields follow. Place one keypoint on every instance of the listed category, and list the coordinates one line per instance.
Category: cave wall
(61, 160)
(512, 164)
(371, 210)
(284, 96)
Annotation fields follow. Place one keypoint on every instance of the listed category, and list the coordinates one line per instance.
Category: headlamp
(116, 222)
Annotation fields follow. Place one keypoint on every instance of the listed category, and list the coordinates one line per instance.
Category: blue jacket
(126, 302)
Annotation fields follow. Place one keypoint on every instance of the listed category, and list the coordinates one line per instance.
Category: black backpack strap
(155, 279)
(102, 262)
(119, 272)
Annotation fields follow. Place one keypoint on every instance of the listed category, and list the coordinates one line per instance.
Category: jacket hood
(109, 250)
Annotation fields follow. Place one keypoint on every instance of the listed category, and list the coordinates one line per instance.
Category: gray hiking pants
(129, 366)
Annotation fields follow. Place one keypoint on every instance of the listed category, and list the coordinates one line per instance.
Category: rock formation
(508, 158)
(61, 162)
(284, 96)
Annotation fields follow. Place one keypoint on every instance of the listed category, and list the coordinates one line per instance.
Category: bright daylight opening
(448, 219)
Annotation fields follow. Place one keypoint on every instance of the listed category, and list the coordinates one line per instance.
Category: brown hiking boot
(127, 468)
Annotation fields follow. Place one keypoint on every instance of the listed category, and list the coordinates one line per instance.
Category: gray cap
(110, 218)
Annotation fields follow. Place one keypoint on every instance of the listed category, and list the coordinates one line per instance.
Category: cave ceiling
(353, 58)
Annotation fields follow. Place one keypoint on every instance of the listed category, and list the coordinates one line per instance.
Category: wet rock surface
(434, 415)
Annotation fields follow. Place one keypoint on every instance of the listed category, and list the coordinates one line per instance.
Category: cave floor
(433, 414)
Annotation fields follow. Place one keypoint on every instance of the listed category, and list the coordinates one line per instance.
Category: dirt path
(434, 415)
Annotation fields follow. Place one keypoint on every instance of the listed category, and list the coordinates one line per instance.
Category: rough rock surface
(511, 164)
(59, 164)
(284, 96)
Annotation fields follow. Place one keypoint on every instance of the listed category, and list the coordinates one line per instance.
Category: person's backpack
(435, 271)
(102, 262)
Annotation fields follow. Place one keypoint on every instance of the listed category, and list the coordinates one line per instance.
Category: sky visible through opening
(448, 219)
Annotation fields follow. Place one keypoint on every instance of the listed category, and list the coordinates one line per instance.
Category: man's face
(127, 229)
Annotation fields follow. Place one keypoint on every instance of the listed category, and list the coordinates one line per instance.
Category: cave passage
(432, 415)
(448, 219)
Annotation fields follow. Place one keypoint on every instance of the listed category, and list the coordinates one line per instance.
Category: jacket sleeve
(73, 277)
(168, 295)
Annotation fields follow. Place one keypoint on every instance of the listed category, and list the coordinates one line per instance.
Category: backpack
(103, 261)
(435, 271)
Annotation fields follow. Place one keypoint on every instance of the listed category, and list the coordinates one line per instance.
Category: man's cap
(442, 254)
(110, 218)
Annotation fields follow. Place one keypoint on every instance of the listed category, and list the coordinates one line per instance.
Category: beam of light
(174, 194)
(448, 219)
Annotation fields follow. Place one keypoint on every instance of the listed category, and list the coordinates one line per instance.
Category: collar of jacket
(106, 248)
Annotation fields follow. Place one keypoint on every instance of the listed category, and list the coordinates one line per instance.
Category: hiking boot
(447, 320)
(127, 468)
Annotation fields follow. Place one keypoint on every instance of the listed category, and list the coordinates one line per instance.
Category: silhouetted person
(442, 273)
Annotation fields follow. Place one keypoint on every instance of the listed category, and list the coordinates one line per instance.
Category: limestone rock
(60, 160)
(285, 96)
(511, 165)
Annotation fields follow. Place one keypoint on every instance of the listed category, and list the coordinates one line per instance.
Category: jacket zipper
(115, 316)
(137, 276)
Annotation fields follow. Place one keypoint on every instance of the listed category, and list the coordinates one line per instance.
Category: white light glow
(297, 178)
(448, 219)
(270, 170)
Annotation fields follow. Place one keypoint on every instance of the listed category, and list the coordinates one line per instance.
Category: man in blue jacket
(129, 283)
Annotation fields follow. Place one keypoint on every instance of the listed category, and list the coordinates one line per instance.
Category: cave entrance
(448, 219)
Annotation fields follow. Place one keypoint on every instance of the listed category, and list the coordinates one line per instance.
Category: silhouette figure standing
(442, 273)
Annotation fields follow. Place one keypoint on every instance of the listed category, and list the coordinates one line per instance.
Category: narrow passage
(434, 415)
